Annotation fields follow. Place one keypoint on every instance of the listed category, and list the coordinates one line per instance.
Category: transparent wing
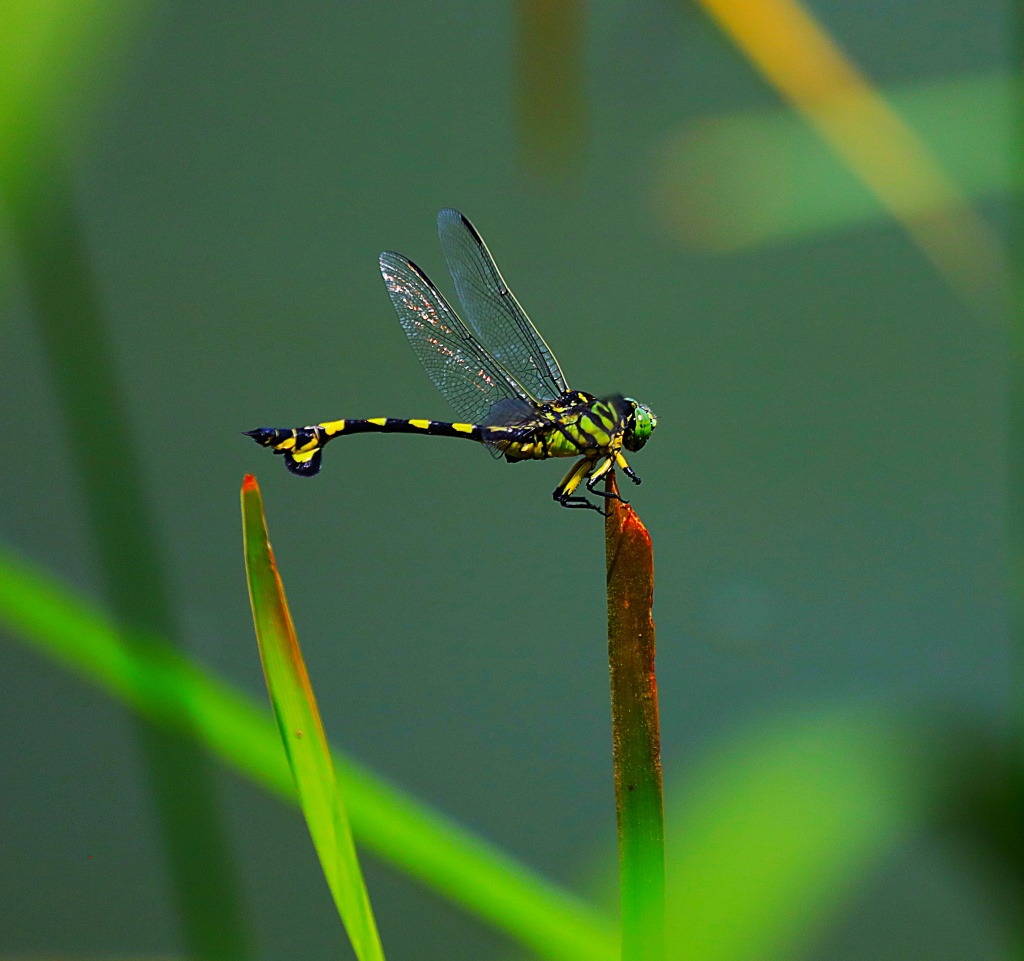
(493, 311)
(468, 376)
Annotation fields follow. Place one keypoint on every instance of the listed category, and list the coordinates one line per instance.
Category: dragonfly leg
(626, 469)
(563, 492)
(596, 474)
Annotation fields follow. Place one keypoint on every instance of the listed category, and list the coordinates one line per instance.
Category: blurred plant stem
(636, 737)
(1015, 459)
(801, 60)
(550, 83)
(1016, 374)
(55, 267)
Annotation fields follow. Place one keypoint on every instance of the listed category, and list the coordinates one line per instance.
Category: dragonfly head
(640, 424)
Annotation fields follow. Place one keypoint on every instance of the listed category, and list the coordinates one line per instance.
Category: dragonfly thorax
(575, 424)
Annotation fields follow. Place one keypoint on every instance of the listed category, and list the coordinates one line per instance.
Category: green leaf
(763, 177)
(767, 837)
(162, 684)
(302, 732)
(774, 832)
(56, 56)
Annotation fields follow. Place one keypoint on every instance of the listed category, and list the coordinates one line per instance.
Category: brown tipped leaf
(636, 740)
(302, 733)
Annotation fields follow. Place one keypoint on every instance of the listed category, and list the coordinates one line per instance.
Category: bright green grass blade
(302, 732)
(162, 684)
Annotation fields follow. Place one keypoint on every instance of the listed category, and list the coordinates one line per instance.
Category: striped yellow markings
(420, 424)
(379, 421)
(463, 428)
(287, 444)
(803, 62)
(303, 456)
(333, 427)
(596, 430)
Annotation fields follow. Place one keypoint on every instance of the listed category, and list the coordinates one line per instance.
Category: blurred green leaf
(771, 833)
(765, 838)
(302, 732)
(765, 176)
(161, 684)
(55, 55)
(796, 54)
(769, 837)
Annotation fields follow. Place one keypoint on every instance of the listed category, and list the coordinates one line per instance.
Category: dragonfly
(495, 370)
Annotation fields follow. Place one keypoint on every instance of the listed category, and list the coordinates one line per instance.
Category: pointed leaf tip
(632, 525)
(309, 757)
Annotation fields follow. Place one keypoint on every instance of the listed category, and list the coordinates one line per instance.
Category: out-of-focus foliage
(766, 837)
(160, 684)
(55, 57)
(772, 835)
(551, 85)
(739, 180)
(788, 44)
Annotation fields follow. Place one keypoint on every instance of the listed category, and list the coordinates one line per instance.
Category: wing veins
(496, 316)
(442, 342)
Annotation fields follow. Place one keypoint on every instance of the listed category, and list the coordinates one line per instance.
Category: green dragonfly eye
(639, 427)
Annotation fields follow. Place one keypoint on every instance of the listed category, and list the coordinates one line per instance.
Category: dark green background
(825, 489)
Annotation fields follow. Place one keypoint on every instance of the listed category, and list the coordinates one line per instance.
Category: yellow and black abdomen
(302, 447)
(586, 428)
